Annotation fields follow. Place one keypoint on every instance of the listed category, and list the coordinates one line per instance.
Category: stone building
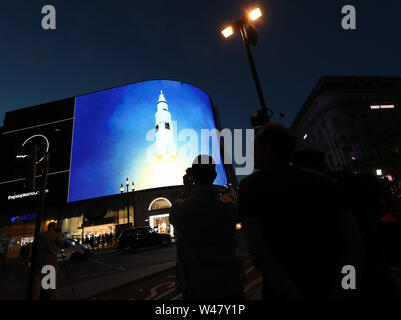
(355, 121)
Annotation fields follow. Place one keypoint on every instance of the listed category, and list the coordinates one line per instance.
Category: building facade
(355, 122)
(50, 126)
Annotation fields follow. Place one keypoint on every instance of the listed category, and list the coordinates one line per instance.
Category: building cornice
(345, 84)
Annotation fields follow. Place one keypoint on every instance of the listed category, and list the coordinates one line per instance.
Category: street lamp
(255, 14)
(227, 32)
(133, 201)
(122, 191)
(250, 36)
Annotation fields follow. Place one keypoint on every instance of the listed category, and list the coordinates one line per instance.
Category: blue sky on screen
(110, 127)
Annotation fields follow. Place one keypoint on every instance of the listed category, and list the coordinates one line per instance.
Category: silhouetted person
(309, 158)
(102, 240)
(106, 239)
(3, 254)
(23, 252)
(297, 225)
(207, 247)
(50, 243)
(365, 196)
(93, 241)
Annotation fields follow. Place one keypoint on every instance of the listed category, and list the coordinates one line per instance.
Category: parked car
(75, 251)
(141, 237)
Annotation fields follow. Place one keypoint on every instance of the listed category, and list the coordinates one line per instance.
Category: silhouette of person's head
(52, 226)
(309, 158)
(204, 170)
(273, 145)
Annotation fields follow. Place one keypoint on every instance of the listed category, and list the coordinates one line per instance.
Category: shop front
(158, 219)
(161, 224)
(21, 234)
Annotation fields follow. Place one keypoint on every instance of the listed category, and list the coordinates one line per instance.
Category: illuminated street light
(127, 182)
(379, 172)
(255, 14)
(133, 202)
(249, 36)
(227, 32)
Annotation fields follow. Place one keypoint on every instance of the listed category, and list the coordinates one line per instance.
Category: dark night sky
(102, 44)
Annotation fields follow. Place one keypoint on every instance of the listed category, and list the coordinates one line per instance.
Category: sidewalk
(88, 289)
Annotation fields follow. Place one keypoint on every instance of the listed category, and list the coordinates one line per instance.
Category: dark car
(142, 237)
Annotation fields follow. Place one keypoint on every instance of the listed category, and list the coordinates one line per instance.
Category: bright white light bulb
(255, 14)
(227, 32)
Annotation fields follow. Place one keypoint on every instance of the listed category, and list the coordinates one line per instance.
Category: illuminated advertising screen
(148, 132)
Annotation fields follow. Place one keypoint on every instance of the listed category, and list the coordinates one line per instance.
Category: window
(167, 125)
(387, 106)
(161, 224)
(159, 203)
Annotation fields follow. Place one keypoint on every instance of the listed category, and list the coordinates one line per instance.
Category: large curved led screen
(148, 132)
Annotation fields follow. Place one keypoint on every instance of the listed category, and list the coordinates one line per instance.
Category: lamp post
(122, 191)
(133, 202)
(127, 183)
(250, 37)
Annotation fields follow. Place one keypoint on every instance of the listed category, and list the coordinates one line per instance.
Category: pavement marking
(179, 296)
(252, 284)
(246, 289)
(249, 270)
(154, 294)
(165, 293)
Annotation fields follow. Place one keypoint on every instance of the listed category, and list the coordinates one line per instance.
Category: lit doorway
(161, 224)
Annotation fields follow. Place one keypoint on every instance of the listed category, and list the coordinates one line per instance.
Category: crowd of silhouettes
(102, 240)
(302, 223)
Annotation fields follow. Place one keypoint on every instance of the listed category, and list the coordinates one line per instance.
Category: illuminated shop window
(161, 224)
